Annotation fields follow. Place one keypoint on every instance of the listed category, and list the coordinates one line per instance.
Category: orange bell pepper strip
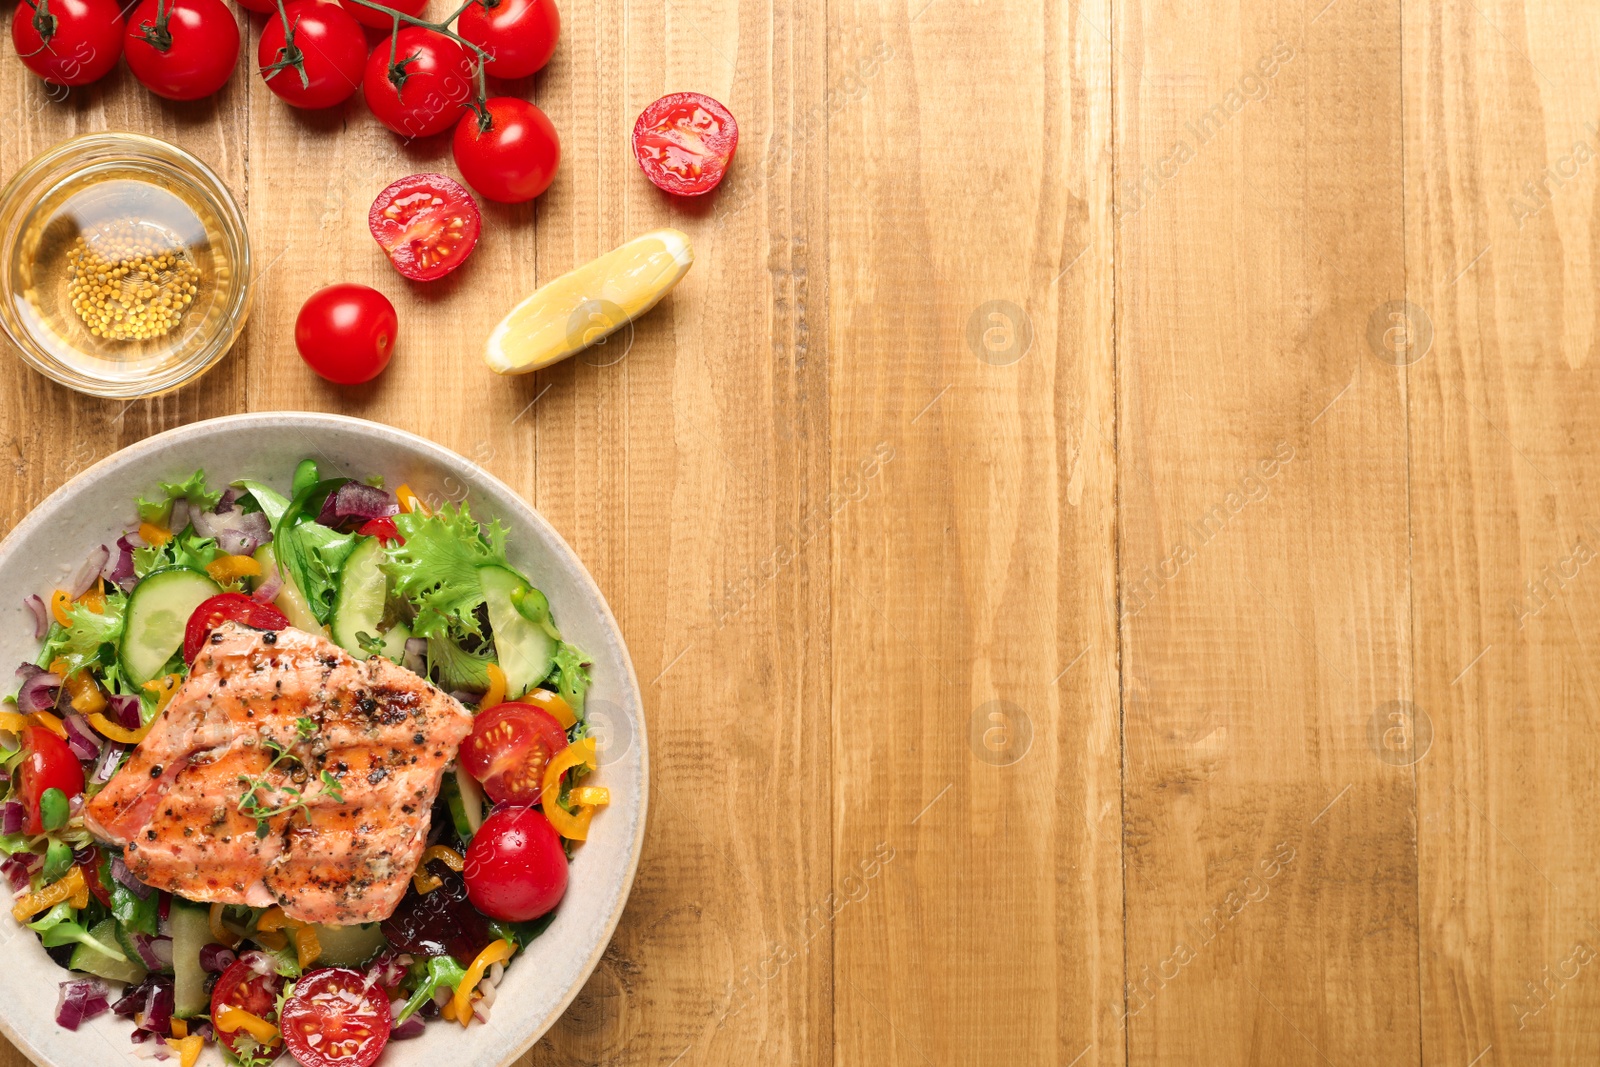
(554, 704)
(307, 946)
(497, 687)
(494, 952)
(13, 721)
(70, 887)
(120, 734)
(151, 534)
(49, 722)
(410, 502)
(228, 569)
(423, 879)
(59, 603)
(188, 1047)
(85, 693)
(236, 1019)
(94, 599)
(220, 933)
(573, 825)
(163, 688)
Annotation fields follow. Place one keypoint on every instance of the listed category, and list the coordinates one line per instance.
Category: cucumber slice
(348, 946)
(363, 592)
(91, 960)
(191, 931)
(158, 611)
(289, 600)
(394, 642)
(524, 650)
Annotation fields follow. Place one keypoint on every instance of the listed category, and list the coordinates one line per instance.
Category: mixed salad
(378, 574)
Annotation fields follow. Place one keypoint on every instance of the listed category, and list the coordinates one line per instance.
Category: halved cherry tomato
(516, 868)
(335, 1019)
(684, 143)
(241, 987)
(509, 748)
(427, 223)
(227, 607)
(47, 764)
(383, 529)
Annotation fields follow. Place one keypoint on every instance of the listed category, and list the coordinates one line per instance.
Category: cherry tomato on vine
(227, 607)
(684, 143)
(346, 333)
(427, 223)
(241, 987)
(377, 19)
(68, 42)
(515, 867)
(334, 1018)
(47, 763)
(509, 748)
(318, 61)
(418, 82)
(515, 157)
(183, 49)
(519, 35)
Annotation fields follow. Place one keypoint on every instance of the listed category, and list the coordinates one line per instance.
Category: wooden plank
(976, 903)
(1500, 250)
(1270, 852)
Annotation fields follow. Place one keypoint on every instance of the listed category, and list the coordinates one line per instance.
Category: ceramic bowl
(94, 508)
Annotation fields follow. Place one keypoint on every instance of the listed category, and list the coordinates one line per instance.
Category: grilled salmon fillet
(284, 771)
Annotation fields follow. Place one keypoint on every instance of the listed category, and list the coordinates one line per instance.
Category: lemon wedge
(590, 303)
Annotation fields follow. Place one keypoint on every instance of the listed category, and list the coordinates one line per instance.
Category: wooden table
(1101, 528)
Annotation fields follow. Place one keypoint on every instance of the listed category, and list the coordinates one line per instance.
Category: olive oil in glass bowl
(124, 265)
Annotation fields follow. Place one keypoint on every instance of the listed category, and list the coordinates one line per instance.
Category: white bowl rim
(448, 457)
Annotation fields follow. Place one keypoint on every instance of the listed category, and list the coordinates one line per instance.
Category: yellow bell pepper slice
(228, 569)
(94, 599)
(117, 733)
(85, 693)
(554, 704)
(51, 723)
(14, 721)
(188, 1048)
(423, 879)
(151, 534)
(70, 887)
(59, 603)
(179, 1028)
(163, 688)
(590, 796)
(220, 933)
(236, 1019)
(307, 946)
(573, 825)
(410, 502)
(494, 952)
(497, 687)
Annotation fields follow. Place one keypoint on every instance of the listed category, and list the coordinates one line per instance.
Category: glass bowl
(124, 265)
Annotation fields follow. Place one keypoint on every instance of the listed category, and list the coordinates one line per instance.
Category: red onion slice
(83, 741)
(39, 689)
(41, 616)
(81, 999)
(107, 765)
(88, 572)
(357, 500)
(125, 878)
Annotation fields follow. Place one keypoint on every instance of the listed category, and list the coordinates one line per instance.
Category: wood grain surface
(1102, 527)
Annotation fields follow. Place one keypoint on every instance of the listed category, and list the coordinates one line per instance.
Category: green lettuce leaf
(87, 635)
(437, 568)
(455, 667)
(572, 681)
(157, 509)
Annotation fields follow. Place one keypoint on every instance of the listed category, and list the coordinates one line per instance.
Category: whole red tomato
(317, 61)
(46, 764)
(684, 143)
(516, 868)
(418, 82)
(183, 49)
(68, 42)
(346, 333)
(241, 987)
(519, 35)
(227, 607)
(377, 19)
(510, 152)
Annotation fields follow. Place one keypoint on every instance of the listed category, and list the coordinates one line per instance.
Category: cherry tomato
(334, 1019)
(519, 35)
(70, 42)
(427, 223)
(515, 158)
(91, 877)
(241, 987)
(377, 19)
(426, 87)
(346, 333)
(684, 143)
(509, 748)
(47, 764)
(516, 868)
(183, 49)
(327, 44)
(383, 529)
(227, 607)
